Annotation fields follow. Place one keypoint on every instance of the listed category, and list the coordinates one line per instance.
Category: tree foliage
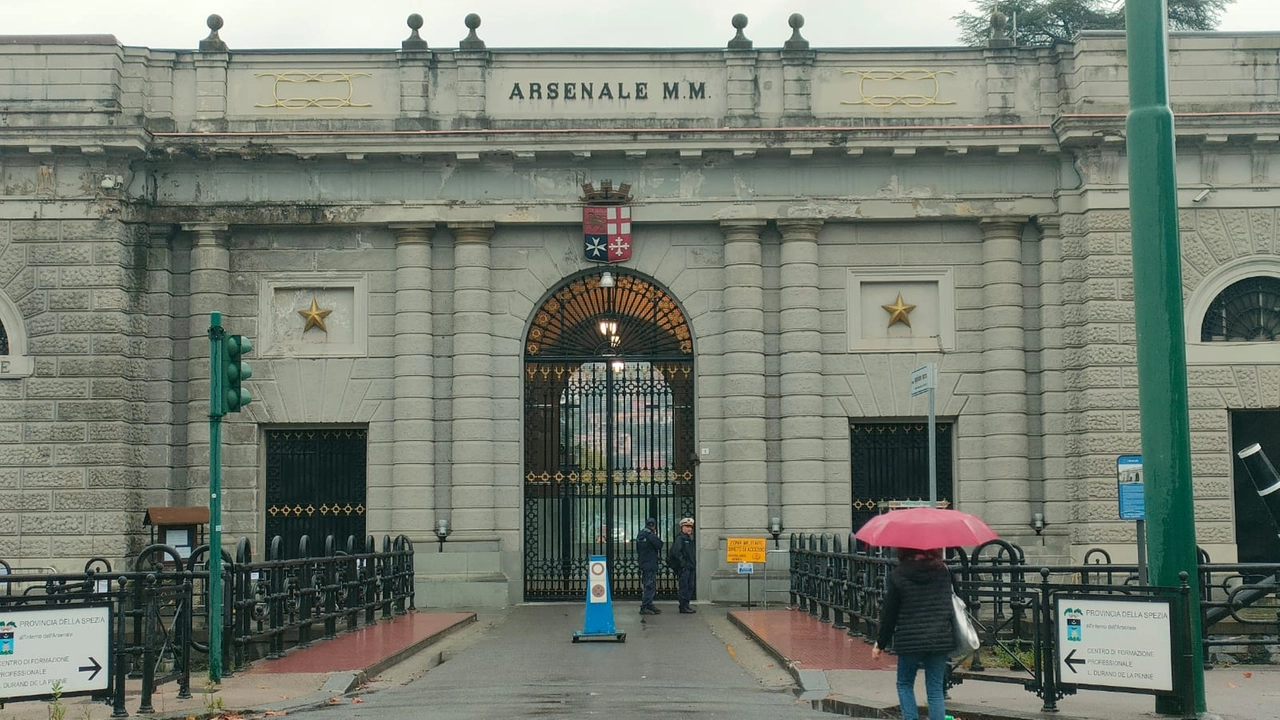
(1044, 22)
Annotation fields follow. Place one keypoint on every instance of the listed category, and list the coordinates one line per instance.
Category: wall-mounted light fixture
(1202, 195)
(606, 279)
(775, 529)
(1037, 522)
(442, 532)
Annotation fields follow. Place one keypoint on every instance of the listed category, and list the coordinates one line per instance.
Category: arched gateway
(608, 438)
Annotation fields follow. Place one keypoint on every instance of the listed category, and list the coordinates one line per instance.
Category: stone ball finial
(999, 21)
(213, 43)
(472, 41)
(414, 41)
(797, 41)
(1000, 31)
(739, 41)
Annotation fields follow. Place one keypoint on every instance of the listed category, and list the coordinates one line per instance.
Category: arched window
(1246, 311)
(14, 361)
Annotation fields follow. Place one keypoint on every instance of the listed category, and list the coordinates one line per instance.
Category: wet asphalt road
(526, 666)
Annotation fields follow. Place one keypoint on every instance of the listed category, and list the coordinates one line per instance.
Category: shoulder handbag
(965, 633)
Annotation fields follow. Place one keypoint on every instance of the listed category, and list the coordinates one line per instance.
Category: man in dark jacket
(917, 615)
(684, 561)
(648, 551)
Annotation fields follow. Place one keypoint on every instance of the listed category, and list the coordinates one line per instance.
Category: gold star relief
(899, 312)
(315, 317)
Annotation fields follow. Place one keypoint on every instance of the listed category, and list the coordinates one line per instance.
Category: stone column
(800, 366)
(472, 478)
(413, 434)
(746, 494)
(209, 286)
(1004, 377)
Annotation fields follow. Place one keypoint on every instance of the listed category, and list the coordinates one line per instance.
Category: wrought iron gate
(890, 462)
(315, 485)
(608, 433)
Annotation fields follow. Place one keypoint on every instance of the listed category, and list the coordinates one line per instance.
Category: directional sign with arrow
(1116, 642)
(92, 668)
(49, 645)
(1071, 660)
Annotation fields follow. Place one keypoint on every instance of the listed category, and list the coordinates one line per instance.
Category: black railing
(160, 608)
(1012, 603)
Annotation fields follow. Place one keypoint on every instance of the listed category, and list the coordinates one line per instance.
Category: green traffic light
(237, 370)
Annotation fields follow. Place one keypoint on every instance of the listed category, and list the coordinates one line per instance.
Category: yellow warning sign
(744, 550)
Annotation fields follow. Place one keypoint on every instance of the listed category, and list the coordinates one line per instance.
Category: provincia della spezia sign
(69, 646)
(1115, 643)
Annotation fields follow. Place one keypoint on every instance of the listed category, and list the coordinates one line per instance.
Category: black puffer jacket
(917, 612)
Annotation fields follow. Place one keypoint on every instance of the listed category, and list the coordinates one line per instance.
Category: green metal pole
(1157, 291)
(216, 411)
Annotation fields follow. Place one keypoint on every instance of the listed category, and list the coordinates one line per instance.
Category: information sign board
(1116, 642)
(744, 550)
(921, 380)
(69, 644)
(1129, 487)
(746, 568)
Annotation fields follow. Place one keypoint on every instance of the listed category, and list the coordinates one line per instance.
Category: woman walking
(918, 616)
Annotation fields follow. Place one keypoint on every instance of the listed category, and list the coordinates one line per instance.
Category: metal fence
(1012, 604)
(160, 607)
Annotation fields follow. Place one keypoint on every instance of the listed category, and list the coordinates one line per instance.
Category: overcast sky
(180, 24)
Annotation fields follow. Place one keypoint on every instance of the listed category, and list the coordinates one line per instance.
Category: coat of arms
(606, 222)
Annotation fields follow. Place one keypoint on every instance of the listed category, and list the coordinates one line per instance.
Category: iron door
(315, 486)
(890, 463)
(608, 434)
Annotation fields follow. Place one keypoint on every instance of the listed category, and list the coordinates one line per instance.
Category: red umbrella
(925, 528)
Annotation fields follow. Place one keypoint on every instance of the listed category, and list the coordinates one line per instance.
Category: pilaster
(413, 431)
(797, 72)
(1004, 376)
(803, 493)
(167, 466)
(472, 490)
(1002, 80)
(211, 78)
(209, 287)
(746, 508)
(473, 63)
(1054, 495)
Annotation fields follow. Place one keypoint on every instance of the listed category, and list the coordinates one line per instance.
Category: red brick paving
(366, 646)
(813, 645)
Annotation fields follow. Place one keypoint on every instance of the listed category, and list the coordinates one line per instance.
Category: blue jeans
(935, 668)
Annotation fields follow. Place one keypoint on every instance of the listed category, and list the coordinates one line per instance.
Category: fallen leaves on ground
(275, 713)
(1248, 674)
(335, 700)
(357, 700)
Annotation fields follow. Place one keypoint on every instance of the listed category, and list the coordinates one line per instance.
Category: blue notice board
(1129, 487)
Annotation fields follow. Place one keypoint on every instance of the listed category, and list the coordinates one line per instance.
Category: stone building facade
(401, 234)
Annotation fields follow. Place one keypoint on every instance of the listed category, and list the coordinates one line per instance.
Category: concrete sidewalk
(321, 674)
(836, 671)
